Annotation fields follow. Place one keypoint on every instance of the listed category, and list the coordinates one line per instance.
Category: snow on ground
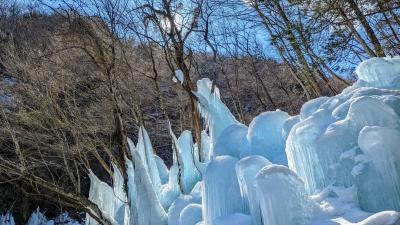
(336, 163)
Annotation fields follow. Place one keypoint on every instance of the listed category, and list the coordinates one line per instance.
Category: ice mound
(174, 212)
(232, 141)
(221, 193)
(246, 170)
(379, 188)
(265, 136)
(380, 72)
(283, 198)
(312, 147)
(191, 215)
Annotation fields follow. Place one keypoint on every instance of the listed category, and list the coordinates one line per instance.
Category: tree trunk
(368, 29)
(357, 36)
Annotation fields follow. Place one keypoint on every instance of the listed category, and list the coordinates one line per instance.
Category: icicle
(190, 175)
(147, 205)
(215, 112)
(145, 151)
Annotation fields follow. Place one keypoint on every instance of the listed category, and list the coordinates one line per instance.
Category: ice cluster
(37, 218)
(337, 162)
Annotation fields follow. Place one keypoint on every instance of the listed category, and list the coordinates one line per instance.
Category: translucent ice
(288, 125)
(215, 112)
(221, 192)
(246, 170)
(191, 215)
(380, 187)
(233, 219)
(382, 218)
(171, 190)
(7, 219)
(162, 169)
(265, 135)
(232, 141)
(380, 72)
(189, 173)
(102, 195)
(146, 152)
(146, 202)
(176, 208)
(313, 148)
(121, 210)
(37, 218)
(282, 197)
(178, 76)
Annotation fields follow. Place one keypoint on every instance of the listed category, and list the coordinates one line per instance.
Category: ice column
(282, 197)
(247, 169)
(221, 192)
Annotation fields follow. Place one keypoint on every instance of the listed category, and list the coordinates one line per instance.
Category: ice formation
(162, 169)
(174, 212)
(189, 173)
(233, 219)
(213, 110)
(191, 215)
(37, 218)
(7, 219)
(221, 192)
(246, 170)
(381, 146)
(232, 141)
(332, 143)
(282, 196)
(265, 136)
(380, 72)
(178, 76)
(146, 153)
(146, 202)
(102, 195)
(342, 154)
